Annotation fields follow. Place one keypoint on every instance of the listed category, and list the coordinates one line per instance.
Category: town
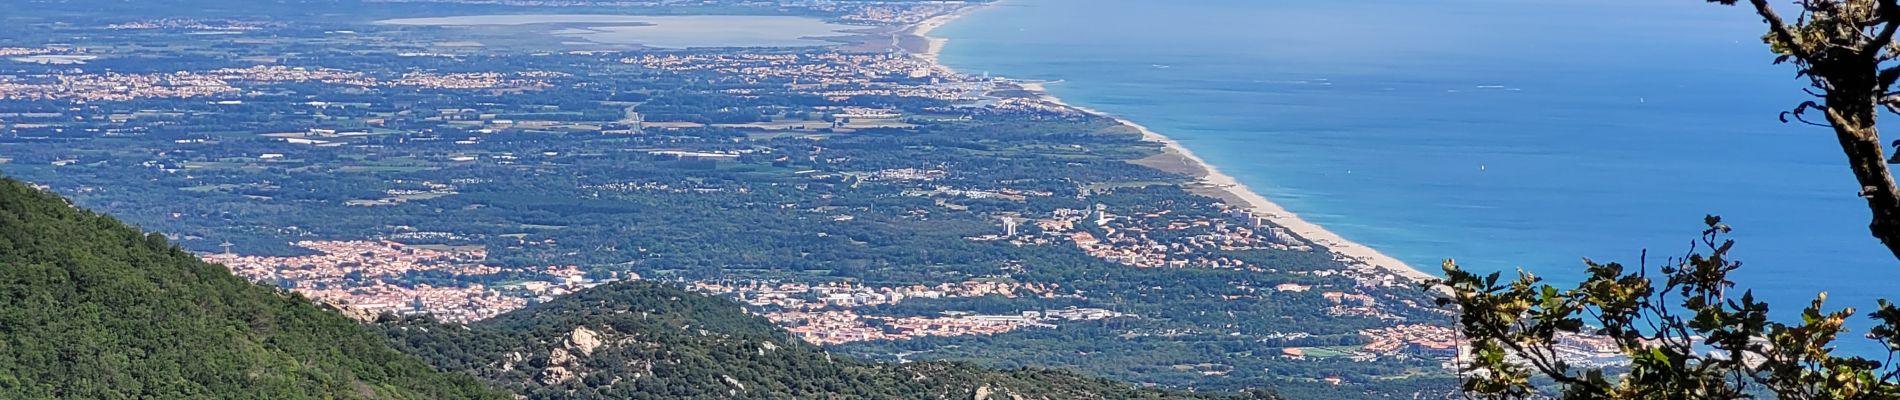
(824, 313)
(376, 277)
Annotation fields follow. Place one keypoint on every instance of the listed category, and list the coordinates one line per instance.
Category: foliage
(92, 309)
(1687, 336)
(1846, 49)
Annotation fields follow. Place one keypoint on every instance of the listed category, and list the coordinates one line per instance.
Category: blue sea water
(1502, 133)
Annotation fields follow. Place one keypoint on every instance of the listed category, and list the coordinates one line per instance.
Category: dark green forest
(647, 340)
(91, 308)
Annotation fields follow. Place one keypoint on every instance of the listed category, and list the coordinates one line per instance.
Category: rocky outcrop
(985, 393)
(564, 360)
(554, 375)
(583, 340)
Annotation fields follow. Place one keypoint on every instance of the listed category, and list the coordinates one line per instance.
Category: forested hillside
(645, 340)
(91, 308)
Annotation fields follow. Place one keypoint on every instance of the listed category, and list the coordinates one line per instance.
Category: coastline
(935, 44)
(1221, 185)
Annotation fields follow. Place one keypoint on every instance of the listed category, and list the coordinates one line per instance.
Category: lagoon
(660, 31)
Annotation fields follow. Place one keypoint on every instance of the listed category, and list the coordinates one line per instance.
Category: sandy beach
(1224, 186)
(935, 44)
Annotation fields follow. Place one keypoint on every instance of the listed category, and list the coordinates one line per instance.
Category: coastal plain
(862, 196)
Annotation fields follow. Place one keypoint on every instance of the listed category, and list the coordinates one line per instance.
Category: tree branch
(1800, 113)
(1889, 13)
(1866, 156)
(1776, 24)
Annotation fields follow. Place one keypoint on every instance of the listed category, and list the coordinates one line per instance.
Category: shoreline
(1353, 254)
(934, 45)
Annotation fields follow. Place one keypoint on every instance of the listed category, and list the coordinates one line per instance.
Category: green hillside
(645, 340)
(90, 308)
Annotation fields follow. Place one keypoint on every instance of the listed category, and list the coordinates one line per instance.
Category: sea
(1503, 134)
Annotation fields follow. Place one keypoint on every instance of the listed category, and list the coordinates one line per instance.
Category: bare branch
(1799, 113)
(1889, 13)
(1891, 102)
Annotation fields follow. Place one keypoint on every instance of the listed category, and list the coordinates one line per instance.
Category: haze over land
(661, 31)
(785, 198)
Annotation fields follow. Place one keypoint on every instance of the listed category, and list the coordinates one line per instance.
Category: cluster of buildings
(636, 187)
(1354, 304)
(376, 277)
(278, 73)
(1278, 238)
(1031, 105)
(419, 79)
(877, 12)
(1589, 350)
(370, 278)
(999, 194)
(447, 304)
(845, 326)
(1159, 240)
(24, 51)
(887, 12)
(189, 24)
(426, 80)
(112, 86)
(186, 84)
(467, 80)
(870, 11)
(1429, 341)
(430, 190)
(828, 313)
(845, 295)
(902, 174)
(834, 75)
